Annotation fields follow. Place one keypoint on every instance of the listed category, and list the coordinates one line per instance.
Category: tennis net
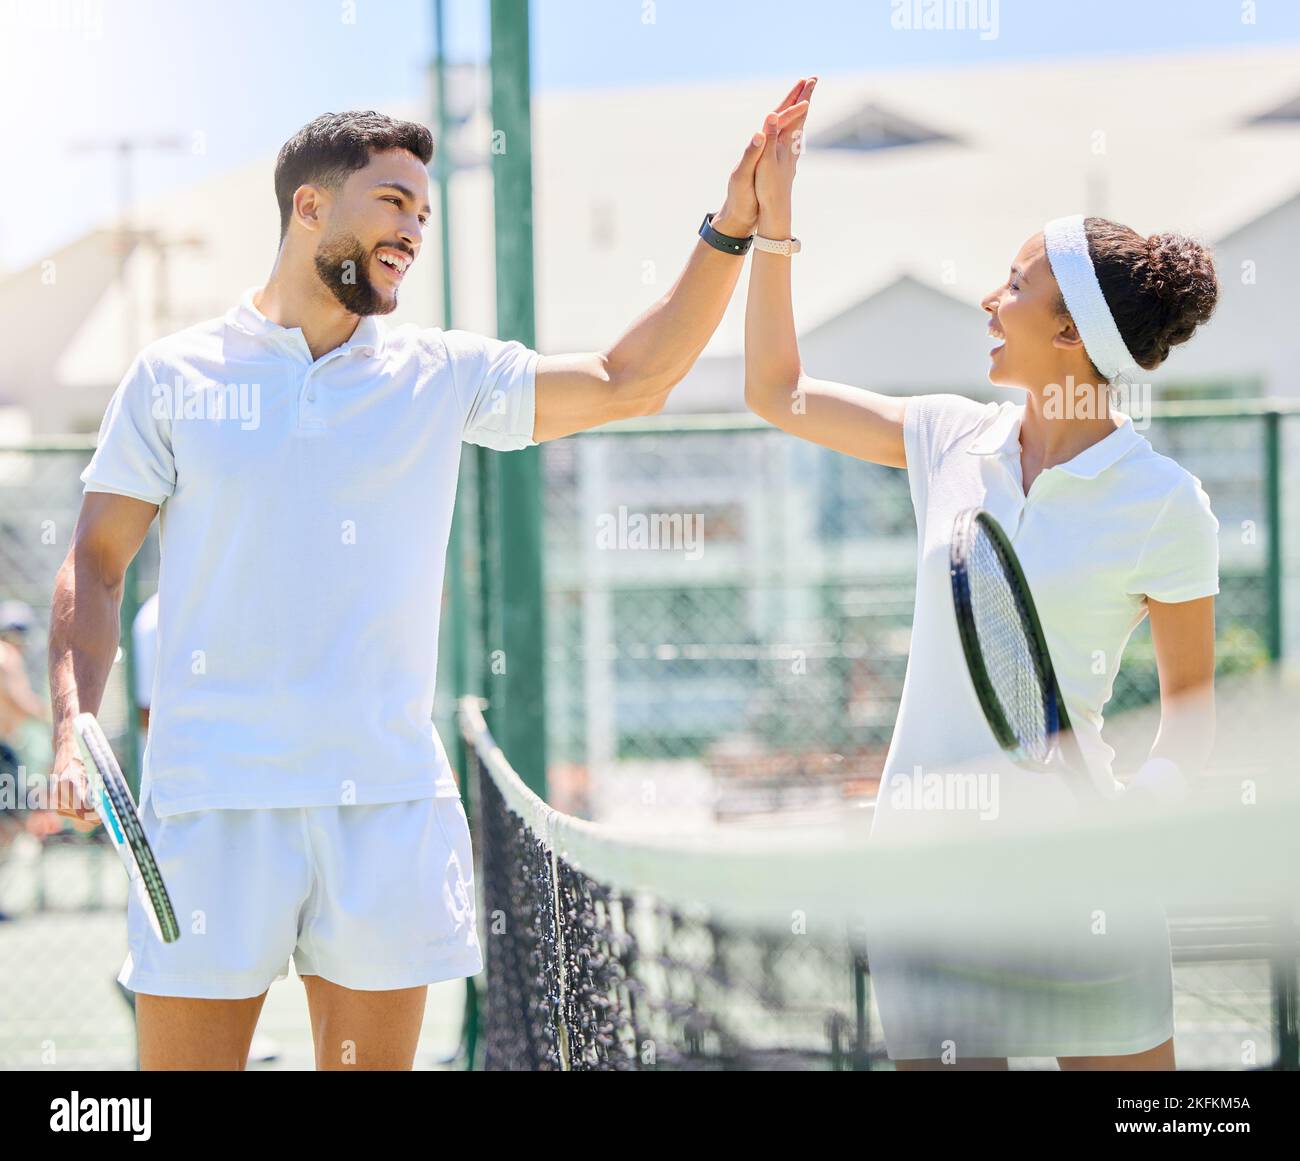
(749, 947)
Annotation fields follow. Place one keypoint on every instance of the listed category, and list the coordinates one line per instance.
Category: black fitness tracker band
(724, 242)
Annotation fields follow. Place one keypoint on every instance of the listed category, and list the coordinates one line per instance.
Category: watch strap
(724, 242)
(786, 246)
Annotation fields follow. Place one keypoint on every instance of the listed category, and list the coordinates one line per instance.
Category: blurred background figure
(24, 717)
(18, 701)
(24, 742)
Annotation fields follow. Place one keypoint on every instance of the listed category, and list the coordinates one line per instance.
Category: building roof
(1160, 143)
(916, 186)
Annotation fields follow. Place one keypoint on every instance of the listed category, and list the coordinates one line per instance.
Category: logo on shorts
(459, 905)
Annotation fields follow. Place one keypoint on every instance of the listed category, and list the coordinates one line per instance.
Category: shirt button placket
(306, 405)
(1037, 486)
(1008, 484)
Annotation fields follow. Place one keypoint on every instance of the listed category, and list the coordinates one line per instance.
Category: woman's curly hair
(1159, 289)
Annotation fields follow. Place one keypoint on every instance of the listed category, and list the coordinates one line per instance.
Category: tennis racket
(1007, 656)
(112, 799)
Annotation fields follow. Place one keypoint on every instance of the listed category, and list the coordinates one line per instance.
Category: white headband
(1067, 251)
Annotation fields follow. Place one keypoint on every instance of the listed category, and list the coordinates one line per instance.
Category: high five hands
(758, 191)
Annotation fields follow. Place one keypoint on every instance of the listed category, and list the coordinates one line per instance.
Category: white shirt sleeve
(496, 383)
(931, 425)
(1180, 561)
(134, 454)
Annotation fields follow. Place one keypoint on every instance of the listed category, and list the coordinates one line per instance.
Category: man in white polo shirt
(302, 459)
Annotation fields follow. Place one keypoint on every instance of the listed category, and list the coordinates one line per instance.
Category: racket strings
(1010, 657)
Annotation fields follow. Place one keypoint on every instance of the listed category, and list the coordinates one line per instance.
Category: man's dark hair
(324, 151)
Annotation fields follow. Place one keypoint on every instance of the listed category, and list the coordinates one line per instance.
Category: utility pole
(125, 150)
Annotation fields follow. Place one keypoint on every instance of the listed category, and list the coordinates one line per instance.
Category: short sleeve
(496, 383)
(133, 456)
(931, 425)
(1180, 560)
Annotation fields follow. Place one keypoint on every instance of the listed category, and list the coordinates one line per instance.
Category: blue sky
(244, 74)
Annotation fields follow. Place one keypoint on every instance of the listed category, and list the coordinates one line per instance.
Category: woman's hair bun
(1160, 288)
(1180, 273)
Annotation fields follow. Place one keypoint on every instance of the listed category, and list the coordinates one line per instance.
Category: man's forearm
(657, 350)
(84, 636)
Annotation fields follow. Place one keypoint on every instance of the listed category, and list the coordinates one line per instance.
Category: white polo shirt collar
(368, 338)
(1001, 436)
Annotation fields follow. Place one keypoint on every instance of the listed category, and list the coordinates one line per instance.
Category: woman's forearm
(1187, 729)
(772, 365)
(1183, 635)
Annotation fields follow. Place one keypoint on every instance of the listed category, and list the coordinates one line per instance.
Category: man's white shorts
(369, 897)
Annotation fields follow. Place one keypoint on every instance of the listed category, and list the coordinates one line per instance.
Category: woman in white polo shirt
(1108, 532)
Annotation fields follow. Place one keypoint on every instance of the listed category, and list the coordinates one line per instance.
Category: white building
(915, 191)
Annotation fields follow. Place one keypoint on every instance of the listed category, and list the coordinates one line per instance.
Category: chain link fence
(728, 622)
(727, 611)
(63, 896)
(727, 601)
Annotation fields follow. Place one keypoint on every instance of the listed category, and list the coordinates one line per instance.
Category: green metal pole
(1285, 970)
(517, 687)
(442, 170)
(489, 575)
(1273, 498)
(1285, 973)
(442, 161)
(459, 605)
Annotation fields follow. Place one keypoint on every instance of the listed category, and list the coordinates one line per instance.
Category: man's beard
(341, 264)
